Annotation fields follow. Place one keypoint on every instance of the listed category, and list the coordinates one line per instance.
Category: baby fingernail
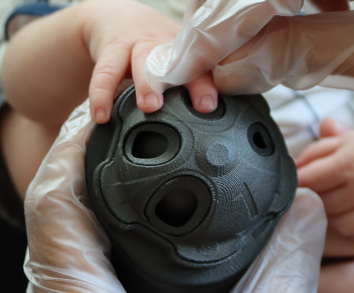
(101, 115)
(207, 102)
(151, 100)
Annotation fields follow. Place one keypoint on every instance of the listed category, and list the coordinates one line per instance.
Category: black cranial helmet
(188, 199)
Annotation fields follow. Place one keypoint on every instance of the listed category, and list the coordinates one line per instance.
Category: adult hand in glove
(252, 46)
(69, 251)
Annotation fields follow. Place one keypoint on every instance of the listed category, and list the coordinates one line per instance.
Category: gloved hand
(69, 251)
(252, 46)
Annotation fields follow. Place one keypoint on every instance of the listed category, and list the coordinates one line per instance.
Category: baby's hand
(327, 167)
(119, 44)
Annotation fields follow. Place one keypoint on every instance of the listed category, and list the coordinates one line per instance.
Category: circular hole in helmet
(177, 207)
(149, 144)
(259, 139)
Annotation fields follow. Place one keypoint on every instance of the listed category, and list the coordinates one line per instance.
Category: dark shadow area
(13, 245)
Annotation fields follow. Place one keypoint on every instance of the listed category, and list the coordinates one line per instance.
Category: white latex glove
(297, 51)
(69, 250)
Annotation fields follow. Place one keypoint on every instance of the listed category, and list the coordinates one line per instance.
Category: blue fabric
(38, 9)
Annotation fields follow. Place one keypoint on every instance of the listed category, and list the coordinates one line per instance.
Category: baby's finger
(338, 200)
(110, 69)
(321, 175)
(147, 99)
(331, 127)
(343, 224)
(203, 93)
(316, 150)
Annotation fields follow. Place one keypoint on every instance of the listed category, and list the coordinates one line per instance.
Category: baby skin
(82, 51)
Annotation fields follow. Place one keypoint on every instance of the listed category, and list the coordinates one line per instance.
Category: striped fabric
(299, 113)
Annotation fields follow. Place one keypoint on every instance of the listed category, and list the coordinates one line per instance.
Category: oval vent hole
(259, 140)
(177, 207)
(149, 144)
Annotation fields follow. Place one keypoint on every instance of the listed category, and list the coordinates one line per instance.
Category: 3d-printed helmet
(188, 199)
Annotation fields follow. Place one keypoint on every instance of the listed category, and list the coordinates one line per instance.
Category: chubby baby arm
(54, 63)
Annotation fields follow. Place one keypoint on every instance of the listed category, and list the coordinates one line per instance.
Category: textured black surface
(188, 199)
